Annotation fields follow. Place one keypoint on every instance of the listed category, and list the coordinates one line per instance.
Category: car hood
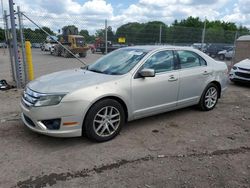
(69, 80)
(244, 64)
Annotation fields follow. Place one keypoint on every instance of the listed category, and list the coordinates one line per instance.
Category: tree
(130, 31)
(85, 34)
(100, 33)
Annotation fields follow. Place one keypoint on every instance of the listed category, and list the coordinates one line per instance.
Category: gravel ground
(183, 148)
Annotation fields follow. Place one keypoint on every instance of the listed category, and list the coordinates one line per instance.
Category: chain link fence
(62, 43)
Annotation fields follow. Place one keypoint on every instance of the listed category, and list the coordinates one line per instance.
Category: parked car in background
(36, 45)
(127, 84)
(47, 46)
(240, 72)
(199, 46)
(3, 45)
(226, 54)
(213, 49)
(48, 43)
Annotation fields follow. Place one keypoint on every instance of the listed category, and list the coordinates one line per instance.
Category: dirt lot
(183, 148)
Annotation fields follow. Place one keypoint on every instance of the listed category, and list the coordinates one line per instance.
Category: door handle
(172, 78)
(206, 73)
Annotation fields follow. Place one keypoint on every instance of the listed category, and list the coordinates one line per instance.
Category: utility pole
(203, 35)
(14, 43)
(160, 34)
(106, 36)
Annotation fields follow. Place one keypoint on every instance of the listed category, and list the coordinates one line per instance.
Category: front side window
(161, 62)
(189, 59)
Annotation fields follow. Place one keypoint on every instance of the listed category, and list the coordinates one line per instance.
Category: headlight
(235, 68)
(49, 100)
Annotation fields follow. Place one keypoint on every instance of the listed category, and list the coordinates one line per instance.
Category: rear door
(194, 75)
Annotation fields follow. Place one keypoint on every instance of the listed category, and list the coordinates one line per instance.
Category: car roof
(149, 48)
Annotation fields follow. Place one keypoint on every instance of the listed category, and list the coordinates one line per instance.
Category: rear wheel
(221, 56)
(66, 54)
(209, 97)
(104, 120)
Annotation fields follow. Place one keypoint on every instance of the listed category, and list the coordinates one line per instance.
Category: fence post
(203, 35)
(14, 43)
(106, 36)
(22, 43)
(233, 58)
(9, 47)
(160, 34)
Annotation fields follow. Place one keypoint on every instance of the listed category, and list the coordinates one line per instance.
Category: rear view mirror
(147, 73)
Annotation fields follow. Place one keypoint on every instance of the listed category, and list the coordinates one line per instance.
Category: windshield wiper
(94, 70)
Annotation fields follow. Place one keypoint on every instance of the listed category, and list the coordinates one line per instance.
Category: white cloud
(240, 13)
(91, 14)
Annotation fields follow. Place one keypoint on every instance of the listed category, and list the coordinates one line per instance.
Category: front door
(152, 95)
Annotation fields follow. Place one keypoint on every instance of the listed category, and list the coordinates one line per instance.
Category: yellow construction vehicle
(70, 41)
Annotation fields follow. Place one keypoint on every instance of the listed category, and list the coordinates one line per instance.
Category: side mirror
(147, 73)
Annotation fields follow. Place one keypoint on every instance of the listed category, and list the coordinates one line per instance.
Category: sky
(91, 14)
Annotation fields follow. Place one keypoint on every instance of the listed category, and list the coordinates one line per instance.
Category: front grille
(244, 69)
(243, 75)
(29, 121)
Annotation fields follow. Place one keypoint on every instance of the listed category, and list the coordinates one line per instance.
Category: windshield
(118, 62)
(80, 41)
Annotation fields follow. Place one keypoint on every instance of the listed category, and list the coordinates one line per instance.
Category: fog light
(52, 124)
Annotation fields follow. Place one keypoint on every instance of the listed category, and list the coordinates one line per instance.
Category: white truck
(49, 44)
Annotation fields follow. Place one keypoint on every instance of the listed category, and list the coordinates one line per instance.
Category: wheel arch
(116, 98)
(218, 85)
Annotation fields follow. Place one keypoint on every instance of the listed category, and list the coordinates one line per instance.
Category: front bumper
(239, 75)
(32, 117)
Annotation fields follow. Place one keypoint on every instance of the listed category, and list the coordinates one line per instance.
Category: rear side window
(190, 59)
(161, 61)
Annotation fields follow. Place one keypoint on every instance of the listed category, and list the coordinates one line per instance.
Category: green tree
(70, 30)
(85, 34)
(100, 33)
(131, 32)
(150, 33)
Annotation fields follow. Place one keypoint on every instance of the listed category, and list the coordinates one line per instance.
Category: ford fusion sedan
(127, 84)
(240, 72)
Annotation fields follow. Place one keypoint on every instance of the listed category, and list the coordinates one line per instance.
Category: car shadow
(241, 84)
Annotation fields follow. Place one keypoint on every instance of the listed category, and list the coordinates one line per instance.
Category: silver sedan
(127, 84)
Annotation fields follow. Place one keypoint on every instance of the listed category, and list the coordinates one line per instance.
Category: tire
(84, 54)
(221, 57)
(209, 99)
(66, 54)
(97, 125)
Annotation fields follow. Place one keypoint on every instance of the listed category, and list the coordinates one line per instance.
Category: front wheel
(84, 54)
(209, 97)
(221, 56)
(104, 120)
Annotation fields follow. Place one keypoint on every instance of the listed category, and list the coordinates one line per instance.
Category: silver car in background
(127, 84)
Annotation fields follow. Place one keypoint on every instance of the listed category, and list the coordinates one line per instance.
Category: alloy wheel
(106, 121)
(211, 97)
